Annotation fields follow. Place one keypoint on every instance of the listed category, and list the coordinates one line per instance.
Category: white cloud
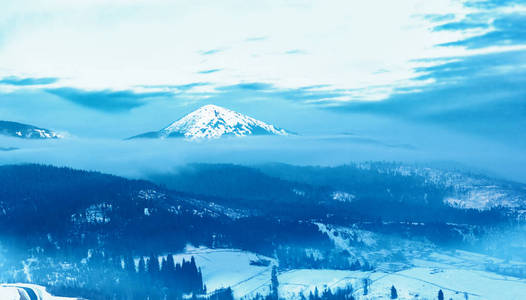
(121, 44)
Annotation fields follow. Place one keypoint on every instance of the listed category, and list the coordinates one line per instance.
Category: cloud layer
(398, 75)
(106, 100)
(27, 81)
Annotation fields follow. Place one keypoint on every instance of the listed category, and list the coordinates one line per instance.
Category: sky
(414, 79)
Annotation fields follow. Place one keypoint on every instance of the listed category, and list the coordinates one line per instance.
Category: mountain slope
(210, 122)
(72, 205)
(459, 188)
(62, 208)
(347, 192)
(26, 131)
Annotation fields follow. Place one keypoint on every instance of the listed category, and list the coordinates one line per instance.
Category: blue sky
(389, 71)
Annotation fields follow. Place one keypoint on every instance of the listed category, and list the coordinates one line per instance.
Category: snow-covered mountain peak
(208, 115)
(26, 131)
(212, 121)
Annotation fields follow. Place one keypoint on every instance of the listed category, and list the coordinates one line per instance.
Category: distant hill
(26, 131)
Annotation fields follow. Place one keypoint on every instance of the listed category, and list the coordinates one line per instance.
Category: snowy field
(458, 274)
(230, 267)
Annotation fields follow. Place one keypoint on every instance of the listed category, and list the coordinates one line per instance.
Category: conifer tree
(302, 297)
(142, 266)
(129, 265)
(170, 263)
(153, 265)
(200, 286)
(164, 265)
(440, 295)
(274, 283)
(394, 293)
(365, 286)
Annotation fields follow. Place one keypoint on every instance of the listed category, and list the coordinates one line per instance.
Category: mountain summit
(26, 131)
(212, 121)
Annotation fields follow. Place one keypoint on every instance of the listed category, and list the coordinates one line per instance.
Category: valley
(250, 220)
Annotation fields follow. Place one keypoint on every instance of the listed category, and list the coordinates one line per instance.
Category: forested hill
(59, 208)
(354, 192)
(58, 226)
(65, 210)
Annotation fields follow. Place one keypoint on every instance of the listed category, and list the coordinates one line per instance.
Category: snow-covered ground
(457, 273)
(413, 283)
(23, 291)
(9, 293)
(229, 268)
(452, 274)
(455, 284)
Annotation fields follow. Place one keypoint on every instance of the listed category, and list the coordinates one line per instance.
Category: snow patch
(343, 196)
